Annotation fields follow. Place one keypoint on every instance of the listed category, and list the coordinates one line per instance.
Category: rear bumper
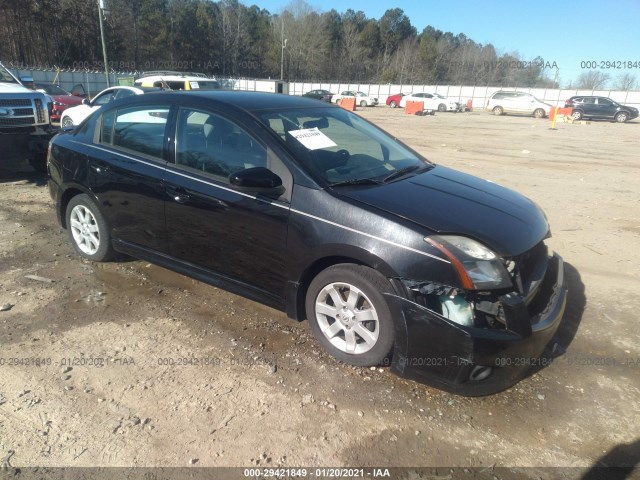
(478, 361)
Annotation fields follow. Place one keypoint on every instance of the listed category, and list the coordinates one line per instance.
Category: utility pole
(101, 10)
(284, 44)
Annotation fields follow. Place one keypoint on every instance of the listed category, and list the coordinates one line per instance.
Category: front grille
(527, 263)
(11, 122)
(21, 112)
(40, 110)
(18, 102)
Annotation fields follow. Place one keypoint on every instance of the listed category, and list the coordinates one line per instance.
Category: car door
(234, 234)
(589, 107)
(605, 108)
(126, 171)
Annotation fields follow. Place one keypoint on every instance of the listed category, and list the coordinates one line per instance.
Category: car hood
(451, 202)
(13, 88)
(71, 100)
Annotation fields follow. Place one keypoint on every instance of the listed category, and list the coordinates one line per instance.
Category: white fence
(93, 82)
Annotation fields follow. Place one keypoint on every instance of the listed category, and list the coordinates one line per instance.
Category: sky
(565, 32)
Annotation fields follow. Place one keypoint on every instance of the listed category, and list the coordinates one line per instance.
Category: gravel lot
(112, 386)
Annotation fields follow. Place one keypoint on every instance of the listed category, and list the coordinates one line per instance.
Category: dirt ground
(128, 364)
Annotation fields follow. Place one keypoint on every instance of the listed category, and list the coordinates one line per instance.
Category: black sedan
(313, 210)
(324, 95)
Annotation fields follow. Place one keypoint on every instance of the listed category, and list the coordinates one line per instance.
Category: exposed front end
(478, 342)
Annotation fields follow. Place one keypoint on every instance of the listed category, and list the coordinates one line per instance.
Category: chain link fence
(94, 81)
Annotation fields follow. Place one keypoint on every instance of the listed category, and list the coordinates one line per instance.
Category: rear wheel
(576, 115)
(498, 110)
(88, 229)
(66, 122)
(538, 113)
(393, 104)
(349, 314)
(621, 117)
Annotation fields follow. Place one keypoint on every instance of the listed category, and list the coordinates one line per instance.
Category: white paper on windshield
(194, 85)
(312, 138)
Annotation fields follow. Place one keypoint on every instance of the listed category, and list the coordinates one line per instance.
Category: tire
(338, 102)
(538, 113)
(359, 291)
(442, 107)
(621, 117)
(66, 122)
(576, 115)
(498, 110)
(88, 230)
(393, 104)
(363, 103)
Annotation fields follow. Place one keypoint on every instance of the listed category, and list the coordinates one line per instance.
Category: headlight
(59, 104)
(478, 267)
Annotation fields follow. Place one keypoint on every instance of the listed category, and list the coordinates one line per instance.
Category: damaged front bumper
(473, 361)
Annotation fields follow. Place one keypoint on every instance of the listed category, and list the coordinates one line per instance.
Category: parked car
(362, 98)
(177, 81)
(75, 115)
(502, 102)
(431, 101)
(311, 209)
(394, 100)
(600, 108)
(61, 98)
(324, 95)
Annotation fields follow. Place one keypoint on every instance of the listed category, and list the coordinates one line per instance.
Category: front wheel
(393, 104)
(498, 110)
(88, 229)
(621, 117)
(363, 103)
(349, 314)
(66, 122)
(442, 107)
(538, 113)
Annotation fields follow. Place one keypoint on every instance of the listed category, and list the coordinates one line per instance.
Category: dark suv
(600, 107)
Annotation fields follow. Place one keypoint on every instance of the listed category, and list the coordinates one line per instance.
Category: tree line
(229, 39)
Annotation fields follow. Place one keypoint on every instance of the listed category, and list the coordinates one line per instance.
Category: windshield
(51, 89)
(5, 76)
(205, 85)
(339, 147)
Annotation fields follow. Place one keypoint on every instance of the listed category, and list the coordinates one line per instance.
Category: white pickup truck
(25, 128)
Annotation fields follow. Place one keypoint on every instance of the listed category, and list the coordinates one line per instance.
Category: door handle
(179, 194)
(99, 167)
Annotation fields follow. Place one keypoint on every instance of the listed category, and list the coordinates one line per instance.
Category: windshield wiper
(356, 181)
(400, 173)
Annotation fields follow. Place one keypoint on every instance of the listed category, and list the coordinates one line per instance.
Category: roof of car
(250, 101)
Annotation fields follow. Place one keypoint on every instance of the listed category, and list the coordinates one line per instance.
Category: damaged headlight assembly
(479, 269)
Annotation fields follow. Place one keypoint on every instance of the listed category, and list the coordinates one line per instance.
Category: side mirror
(258, 180)
(85, 101)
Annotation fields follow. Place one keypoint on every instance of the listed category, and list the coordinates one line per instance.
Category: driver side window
(104, 98)
(212, 144)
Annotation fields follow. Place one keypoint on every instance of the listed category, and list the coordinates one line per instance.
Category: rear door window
(139, 129)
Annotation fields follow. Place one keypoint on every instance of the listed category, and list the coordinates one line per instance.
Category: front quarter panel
(324, 224)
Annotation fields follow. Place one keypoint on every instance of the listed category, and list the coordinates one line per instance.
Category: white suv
(517, 102)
